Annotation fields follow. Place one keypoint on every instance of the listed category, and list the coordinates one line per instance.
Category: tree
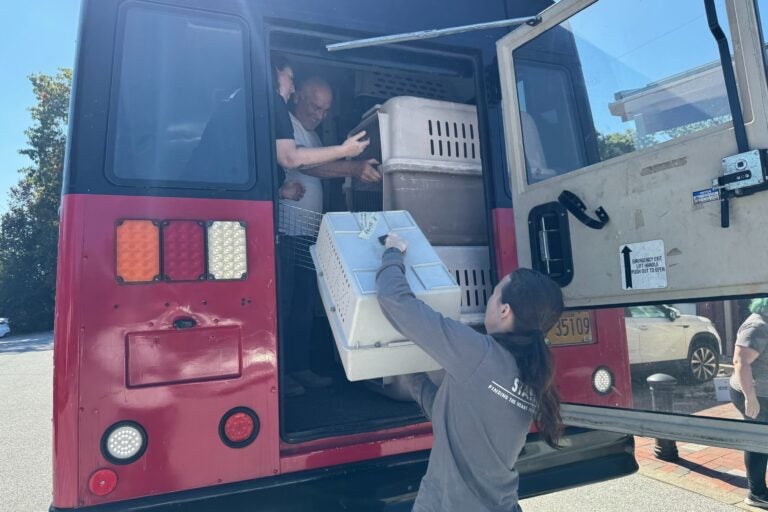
(615, 144)
(29, 231)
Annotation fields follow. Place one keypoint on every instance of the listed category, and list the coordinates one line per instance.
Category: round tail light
(102, 482)
(602, 380)
(239, 427)
(124, 442)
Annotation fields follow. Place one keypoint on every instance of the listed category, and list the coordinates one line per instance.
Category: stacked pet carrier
(430, 160)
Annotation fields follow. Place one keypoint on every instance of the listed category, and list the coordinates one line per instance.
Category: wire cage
(298, 228)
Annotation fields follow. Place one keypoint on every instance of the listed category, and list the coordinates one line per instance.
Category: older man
(313, 101)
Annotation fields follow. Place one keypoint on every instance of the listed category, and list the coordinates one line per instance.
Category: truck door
(619, 160)
(637, 171)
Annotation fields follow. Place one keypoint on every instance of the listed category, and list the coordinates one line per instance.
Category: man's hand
(366, 171)
(394, 240)
(353, 146)
(292, 190)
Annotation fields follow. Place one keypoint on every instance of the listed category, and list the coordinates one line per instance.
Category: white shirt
(313, 195)
(302, 217)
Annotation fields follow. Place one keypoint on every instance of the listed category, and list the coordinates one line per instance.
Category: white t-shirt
(303, 217)
(313, 195)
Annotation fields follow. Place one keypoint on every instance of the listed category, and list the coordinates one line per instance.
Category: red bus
(169, 342)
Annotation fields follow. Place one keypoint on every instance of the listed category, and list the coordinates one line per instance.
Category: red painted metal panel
(65, 355)
(95, 314)
(183, 250)
(504, 240)
(355, 448)
(167, 357)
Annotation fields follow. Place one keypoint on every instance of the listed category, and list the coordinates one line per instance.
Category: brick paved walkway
(714, 472)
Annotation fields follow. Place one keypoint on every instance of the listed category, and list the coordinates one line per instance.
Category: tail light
(603, 380)
(102, 482)
(124, 442)
(239, 427)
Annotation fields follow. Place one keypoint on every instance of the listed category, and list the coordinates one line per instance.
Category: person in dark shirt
(495, 386)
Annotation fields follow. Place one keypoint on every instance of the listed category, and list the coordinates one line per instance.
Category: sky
(36, 36)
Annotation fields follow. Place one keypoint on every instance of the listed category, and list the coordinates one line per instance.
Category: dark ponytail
(536, 303)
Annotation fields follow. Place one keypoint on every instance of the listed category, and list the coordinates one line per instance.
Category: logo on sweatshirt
(518, 395)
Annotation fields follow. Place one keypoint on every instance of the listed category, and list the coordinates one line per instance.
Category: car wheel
(703, 361)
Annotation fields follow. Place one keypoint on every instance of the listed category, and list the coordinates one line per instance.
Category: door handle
(578, 209)
(643, 327)
(184, 323)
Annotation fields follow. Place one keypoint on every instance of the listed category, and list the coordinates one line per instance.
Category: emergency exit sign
(643, 265)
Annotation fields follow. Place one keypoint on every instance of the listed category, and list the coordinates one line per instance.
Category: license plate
(573, 327)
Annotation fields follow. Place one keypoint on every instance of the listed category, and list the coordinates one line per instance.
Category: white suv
(5, 329)
(660, 335)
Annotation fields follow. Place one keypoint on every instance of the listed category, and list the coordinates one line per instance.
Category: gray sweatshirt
(480, 414)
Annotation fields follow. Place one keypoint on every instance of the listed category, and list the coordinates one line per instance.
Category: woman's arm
(743, 357)
(291, 156)
(456, 347)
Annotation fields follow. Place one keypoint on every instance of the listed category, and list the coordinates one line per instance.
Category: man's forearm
(337, 169)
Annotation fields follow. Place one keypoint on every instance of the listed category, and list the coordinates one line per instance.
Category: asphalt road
(26, 365)
(26, 383)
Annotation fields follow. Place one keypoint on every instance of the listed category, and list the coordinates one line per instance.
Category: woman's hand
(292, 190)
(394, 240)
(751, 406)
(353, 146)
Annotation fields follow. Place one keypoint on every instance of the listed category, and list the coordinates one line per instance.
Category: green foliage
(615, 144)
(29, 230)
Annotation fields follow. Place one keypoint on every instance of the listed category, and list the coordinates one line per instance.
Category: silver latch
(742, 171)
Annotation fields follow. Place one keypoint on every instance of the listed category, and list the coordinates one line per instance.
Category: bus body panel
(181, 419)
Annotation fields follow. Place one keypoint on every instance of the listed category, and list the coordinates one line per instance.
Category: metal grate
(451, 139)
(381, 84)
(299, 228)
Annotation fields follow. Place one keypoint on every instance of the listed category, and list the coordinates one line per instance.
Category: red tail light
(239, 427)
(102, 482)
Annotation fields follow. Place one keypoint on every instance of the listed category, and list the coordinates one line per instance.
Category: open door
(622, 145)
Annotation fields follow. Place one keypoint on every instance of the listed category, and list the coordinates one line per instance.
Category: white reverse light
(125, 442)
(226, 250)
(602, 380)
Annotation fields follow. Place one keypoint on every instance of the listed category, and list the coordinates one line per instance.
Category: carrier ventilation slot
(451, 139)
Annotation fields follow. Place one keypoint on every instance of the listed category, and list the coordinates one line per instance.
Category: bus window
(180, 101)
(549, 120)
(635, 99)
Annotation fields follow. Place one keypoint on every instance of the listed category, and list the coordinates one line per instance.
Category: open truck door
(635, 140)
(634, 177)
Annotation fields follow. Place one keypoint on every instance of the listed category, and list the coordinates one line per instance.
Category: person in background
(749, 391)
(495, 386)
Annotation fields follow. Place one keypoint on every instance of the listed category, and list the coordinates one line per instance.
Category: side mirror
(673, 314)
